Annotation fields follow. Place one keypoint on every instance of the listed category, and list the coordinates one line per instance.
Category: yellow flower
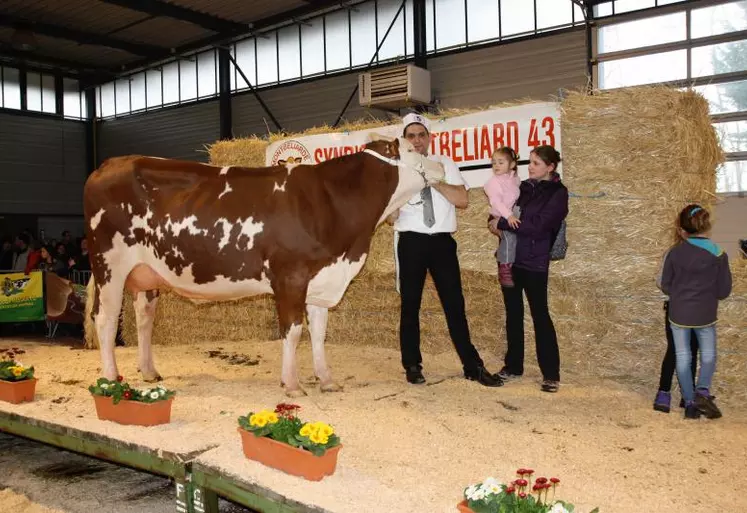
(325, 429)
(257, 420)
(306, 430)
(17, 371)
(318, 438)
(272, 417)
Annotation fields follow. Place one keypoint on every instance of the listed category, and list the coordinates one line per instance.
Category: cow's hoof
(331, 387)
(296, 392)
(152, 377)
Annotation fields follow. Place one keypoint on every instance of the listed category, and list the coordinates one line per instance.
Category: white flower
(491, 486)
(104, 385)
(161, 387)
(162, 392)
(470, 493)
(558, 508)
(154, 395)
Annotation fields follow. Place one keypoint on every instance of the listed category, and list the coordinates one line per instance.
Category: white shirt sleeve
(453, 175)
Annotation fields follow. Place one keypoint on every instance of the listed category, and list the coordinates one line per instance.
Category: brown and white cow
(299, 232)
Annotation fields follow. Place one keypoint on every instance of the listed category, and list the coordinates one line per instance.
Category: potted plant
(279, 439)
(119, 402)
(519, 496)
(17, 382)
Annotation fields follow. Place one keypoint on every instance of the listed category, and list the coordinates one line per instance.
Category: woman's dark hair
(510, 154)
(695, 219)
(548, 155)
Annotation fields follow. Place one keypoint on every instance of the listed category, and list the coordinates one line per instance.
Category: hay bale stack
(632, 159)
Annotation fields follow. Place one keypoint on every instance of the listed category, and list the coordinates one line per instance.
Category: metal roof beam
(37, 61)
(294, 15)
(160, 8)
(79, 36)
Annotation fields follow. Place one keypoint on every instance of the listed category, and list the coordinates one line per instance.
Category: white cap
(416, 118)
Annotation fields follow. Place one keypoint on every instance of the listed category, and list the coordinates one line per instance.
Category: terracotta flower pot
(463, 508)
(289, 459)
(17, 392)
(133, 412)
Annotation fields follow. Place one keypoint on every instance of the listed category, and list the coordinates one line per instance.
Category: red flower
(510, 490)
(128, 394)
(541, 480)
(547, 486)
(537, 487)
(522, 495)
(521, 471)
(120, 378)
(554, 480)
(521, 482)
(529, 471)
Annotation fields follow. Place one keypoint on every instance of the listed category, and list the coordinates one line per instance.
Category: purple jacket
(544, 205)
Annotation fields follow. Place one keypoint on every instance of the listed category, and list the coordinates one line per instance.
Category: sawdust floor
(414, 448)
(19, 503)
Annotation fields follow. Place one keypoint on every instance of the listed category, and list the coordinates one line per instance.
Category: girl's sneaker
(705, 404)
(691, 411)
(505, 277)
(663, 401)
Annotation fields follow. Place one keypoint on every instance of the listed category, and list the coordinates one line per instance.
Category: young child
(502, 190)
(696, 277)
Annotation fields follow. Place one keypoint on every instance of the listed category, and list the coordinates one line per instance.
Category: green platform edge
(180, 467)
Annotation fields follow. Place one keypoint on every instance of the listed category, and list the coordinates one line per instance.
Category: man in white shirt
(424, 225)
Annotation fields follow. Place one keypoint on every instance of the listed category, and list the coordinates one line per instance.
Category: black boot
(482, 376)
(414, 375)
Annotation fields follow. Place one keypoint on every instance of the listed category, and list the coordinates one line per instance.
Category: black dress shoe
(482, 376)
(415, 376)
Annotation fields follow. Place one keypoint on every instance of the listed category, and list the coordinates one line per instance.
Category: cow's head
(409, 160)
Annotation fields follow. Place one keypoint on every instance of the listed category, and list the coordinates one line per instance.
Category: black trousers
(669, 363)
(418, 254)
(534, 284)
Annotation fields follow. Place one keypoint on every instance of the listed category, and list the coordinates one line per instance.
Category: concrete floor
(78, 484)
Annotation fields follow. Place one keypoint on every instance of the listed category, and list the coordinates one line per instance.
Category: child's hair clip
(695, 210)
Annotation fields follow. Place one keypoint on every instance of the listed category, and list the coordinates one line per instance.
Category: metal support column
(419, 33)
(224, 88)
(91, 132)
(59, 95)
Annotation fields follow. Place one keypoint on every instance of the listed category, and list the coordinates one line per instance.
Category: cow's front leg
(318, 330)
(289, 298)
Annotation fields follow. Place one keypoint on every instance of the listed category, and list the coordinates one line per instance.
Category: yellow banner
(22, 297)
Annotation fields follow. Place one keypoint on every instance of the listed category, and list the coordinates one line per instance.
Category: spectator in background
(81, 261)
(62, 255)
(48, 262)
(6, 255)
(67, 240)
(22, 253)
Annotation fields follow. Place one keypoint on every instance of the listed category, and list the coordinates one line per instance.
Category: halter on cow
(298, 232)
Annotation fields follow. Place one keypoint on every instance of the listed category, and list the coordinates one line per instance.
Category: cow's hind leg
(107, 308)
(318, 329)
(289, 298)
(145, 313)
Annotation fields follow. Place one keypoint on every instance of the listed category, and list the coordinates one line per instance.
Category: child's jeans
(507, 246)
(707, 342)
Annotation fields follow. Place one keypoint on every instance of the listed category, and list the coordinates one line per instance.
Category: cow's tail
(89, 326)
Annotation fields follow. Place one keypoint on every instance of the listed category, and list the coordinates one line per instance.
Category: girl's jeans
(707, 342)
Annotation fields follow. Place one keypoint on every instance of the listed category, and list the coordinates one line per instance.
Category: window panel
(107, 100)
(338, 47)
(312, 47)
(517, 17)
(71, 98)
(84, 114)
(721, 58)
(578, 14)
(188, 79)
(719, 19)
(267, 59)
(450, 20)
(646, 32)
(49, 100)
(206, 73)
(603, 10)
(363, 26)
(646, 69)
(725, 98)
(232, 73)
(395, 44)
(137, 91)
(551, 13)
(246, 58)
(290, 54)
(733, 135)
(170, 77)
(632, 5)
(33, 92)
(153, 93)
(11, 88)
(123, 96)
(482, 20)
(732, 176)
(430, 29)
(409, 30)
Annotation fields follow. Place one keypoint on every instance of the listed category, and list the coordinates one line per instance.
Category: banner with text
(469, 140)
(22, 297)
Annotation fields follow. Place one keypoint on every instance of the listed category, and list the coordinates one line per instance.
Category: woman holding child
(542, 205)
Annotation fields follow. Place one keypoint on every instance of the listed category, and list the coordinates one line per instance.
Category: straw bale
(632, 159)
